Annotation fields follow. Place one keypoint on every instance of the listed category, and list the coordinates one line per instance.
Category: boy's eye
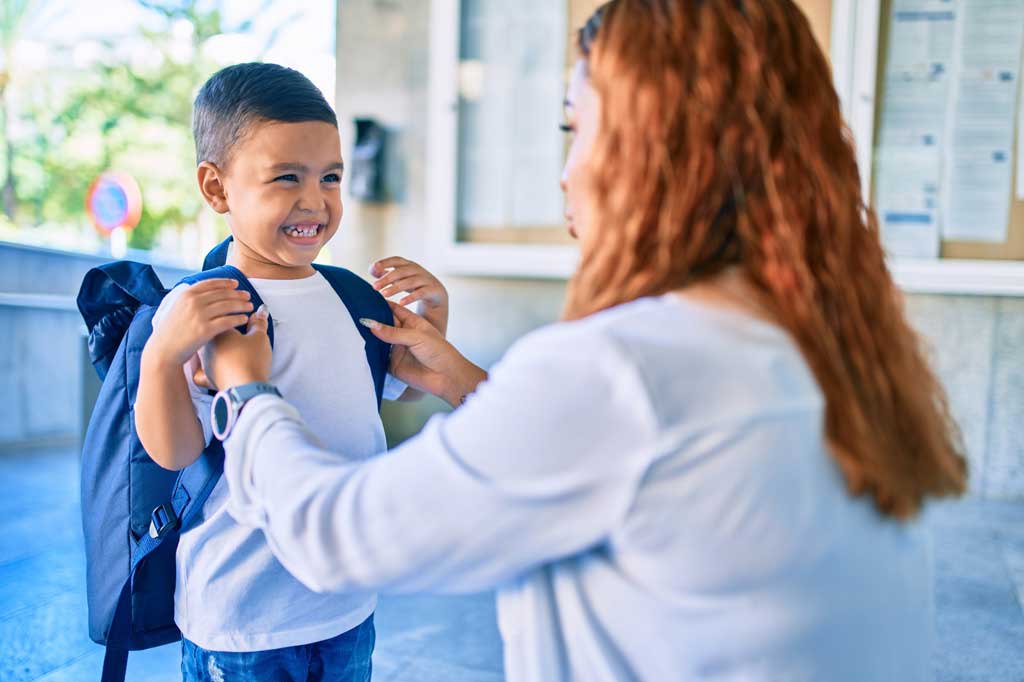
(290, 177)
(332, 177)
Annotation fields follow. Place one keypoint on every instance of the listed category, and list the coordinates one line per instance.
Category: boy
(269, 157)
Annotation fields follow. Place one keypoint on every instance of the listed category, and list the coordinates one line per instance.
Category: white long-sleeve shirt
(650, 492)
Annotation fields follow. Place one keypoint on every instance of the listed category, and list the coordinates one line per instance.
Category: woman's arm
(543, 462)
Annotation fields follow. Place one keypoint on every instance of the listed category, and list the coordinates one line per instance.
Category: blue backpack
(132, 509)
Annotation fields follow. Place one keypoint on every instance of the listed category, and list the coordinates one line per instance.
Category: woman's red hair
(722, 144)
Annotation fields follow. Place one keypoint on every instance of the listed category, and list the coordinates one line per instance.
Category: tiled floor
(43, 630)
(979, 551)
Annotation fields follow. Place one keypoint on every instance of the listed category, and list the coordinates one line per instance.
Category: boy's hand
(203, 311)
(398, 275)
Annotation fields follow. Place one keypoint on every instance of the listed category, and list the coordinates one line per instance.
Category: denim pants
(345, 658)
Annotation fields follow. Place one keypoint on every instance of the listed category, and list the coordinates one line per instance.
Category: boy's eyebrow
(302, 168)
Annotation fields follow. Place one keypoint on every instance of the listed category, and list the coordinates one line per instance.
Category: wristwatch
(228, 404)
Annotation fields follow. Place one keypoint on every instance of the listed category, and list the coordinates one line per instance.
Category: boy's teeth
(302, 231)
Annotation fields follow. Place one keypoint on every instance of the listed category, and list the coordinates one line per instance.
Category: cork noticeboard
(819, 15)
(1012, 247)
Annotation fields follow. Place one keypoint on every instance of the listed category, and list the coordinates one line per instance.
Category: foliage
(129, 111)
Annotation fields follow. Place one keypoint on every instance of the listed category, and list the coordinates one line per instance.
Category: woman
(711, 468)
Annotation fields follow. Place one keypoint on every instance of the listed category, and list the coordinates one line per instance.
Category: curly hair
(721, 144)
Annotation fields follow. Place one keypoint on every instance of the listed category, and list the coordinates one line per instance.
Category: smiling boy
(269, 158)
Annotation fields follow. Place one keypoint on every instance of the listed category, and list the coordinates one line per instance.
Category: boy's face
(282, 189)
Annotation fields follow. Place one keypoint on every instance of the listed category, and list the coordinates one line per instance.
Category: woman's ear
(211, 184)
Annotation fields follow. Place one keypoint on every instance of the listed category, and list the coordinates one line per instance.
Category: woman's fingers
(258, 322)
(408, 318)
(394, 335)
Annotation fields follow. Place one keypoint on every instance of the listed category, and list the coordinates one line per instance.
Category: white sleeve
(393, 387)
(201, 398)
(541, 463)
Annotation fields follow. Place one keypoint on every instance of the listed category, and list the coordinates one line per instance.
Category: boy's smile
(304, 234)
(282, 193)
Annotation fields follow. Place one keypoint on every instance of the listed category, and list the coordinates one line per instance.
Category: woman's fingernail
(262, 311)
(368, 323)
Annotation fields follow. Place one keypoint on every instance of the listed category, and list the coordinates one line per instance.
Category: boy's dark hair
(238, 96)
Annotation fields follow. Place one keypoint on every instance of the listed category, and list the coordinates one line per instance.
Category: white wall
(382, 73)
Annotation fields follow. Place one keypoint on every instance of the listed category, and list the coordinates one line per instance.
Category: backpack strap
(218, 256)
(231, 272)
(194, 485)
(192, 489)
(108, 298)
(362, 300)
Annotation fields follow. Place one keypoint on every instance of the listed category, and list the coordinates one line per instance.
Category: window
(497, 82)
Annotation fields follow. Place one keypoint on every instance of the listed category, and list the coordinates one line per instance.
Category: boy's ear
(211, 185)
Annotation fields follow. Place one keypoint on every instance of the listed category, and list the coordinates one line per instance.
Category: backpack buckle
(162, 520)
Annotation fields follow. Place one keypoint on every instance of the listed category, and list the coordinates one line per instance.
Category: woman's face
(582, 113)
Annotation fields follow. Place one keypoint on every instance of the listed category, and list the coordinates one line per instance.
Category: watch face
(221, 414)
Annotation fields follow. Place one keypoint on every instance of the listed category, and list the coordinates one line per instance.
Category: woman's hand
(423, 359)
(233, 359)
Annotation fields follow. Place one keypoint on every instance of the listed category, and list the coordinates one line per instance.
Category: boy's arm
(165, 417)
(188, 318)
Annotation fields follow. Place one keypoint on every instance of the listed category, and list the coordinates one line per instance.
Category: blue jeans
(345, 658)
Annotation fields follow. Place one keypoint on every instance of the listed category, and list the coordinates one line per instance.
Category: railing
(47, 381)
(38, 301)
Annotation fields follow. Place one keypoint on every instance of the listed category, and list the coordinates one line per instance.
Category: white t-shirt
(650, 490)
(231, 594)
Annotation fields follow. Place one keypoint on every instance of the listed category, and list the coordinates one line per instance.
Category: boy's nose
(312, 199)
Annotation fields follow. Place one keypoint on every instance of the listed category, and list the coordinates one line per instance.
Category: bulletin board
(1012, 247)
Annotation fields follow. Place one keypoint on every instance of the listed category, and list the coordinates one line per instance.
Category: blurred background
(449, 112)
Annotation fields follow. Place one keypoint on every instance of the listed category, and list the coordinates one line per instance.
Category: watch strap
(240, 395)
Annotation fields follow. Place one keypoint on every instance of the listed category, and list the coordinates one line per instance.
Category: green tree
(134, 117)
(14, 15)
